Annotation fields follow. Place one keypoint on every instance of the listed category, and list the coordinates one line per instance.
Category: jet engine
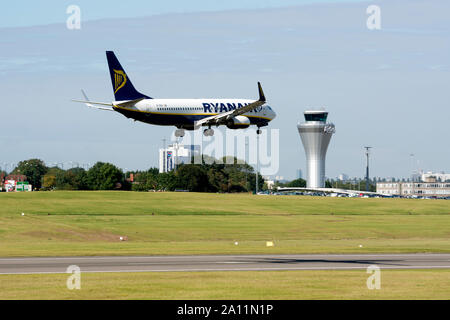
(238, 122)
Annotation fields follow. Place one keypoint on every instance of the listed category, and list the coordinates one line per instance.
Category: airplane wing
(223, 117)
(90, 104)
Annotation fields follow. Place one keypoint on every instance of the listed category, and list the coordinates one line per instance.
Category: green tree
(217, 181)
(72, 179)
(297, 183)
(167, 181)
(49, 179)
(78, 178)
(104, 176)
(146, 180)
(252, 181)
(192, 177)
(236, 178)
(34, 169)
(48, 182)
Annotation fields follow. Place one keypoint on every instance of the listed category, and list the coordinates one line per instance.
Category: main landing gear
(208, 132)
(179, 133)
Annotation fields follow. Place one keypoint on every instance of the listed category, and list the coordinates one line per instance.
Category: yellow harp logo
(120, 78)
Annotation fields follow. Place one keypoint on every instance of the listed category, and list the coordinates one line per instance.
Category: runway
(223, 263)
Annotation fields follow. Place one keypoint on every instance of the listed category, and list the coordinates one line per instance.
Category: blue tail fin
(122, 86)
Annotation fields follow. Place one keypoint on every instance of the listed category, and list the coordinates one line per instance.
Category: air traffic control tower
(316, 134)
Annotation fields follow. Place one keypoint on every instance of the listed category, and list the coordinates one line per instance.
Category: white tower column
(316, 134)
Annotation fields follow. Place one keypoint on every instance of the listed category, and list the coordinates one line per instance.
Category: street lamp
(257, 162)
(367, 167)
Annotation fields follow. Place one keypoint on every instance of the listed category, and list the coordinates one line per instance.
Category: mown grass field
(294, 285)
(91, 223)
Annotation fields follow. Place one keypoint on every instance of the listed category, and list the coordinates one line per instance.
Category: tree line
(208, 176)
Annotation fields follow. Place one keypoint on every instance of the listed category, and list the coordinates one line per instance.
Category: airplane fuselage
(182, 113)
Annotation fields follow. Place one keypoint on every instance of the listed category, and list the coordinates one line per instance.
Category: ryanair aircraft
(184, 114)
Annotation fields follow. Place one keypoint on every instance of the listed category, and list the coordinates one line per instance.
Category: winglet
(261, 93)
(87, 99)
(84, 94)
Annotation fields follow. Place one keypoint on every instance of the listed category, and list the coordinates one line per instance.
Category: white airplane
(184, 114)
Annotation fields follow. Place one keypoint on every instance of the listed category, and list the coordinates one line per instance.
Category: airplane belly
(165, 119)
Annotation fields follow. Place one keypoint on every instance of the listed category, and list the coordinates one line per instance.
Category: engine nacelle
(238, 122)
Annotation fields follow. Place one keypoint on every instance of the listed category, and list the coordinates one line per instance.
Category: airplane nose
(274, 115)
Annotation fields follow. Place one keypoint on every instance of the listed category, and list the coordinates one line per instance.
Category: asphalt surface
(223, 263)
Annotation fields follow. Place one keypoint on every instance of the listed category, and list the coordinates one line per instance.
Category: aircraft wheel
(179, 133)
(258, 131)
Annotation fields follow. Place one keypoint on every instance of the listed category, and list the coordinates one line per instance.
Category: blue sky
(29, 13)
(387, 88)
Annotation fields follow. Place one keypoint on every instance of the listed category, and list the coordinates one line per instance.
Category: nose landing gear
(208, 132)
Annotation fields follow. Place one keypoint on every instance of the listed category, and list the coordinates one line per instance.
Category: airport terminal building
(422, 189)
(430, 185)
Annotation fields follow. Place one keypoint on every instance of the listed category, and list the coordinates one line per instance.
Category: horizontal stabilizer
(90, 104)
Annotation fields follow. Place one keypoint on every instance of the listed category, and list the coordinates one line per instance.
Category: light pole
(257, 162)
(412, 166)
(412, 173)
(164, 156)
(367, 167)
(246, 169)
(176, 155)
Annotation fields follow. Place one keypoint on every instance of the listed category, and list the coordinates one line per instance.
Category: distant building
(416, 176)
(435, 177)
(299, 174)
(176, 154)
(15, 182)
(343, 177)
(426, 189)
(16, 177)
(130, 178)
(270, 184)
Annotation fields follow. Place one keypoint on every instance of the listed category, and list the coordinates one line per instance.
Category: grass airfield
(241, 285)
(91, 223)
